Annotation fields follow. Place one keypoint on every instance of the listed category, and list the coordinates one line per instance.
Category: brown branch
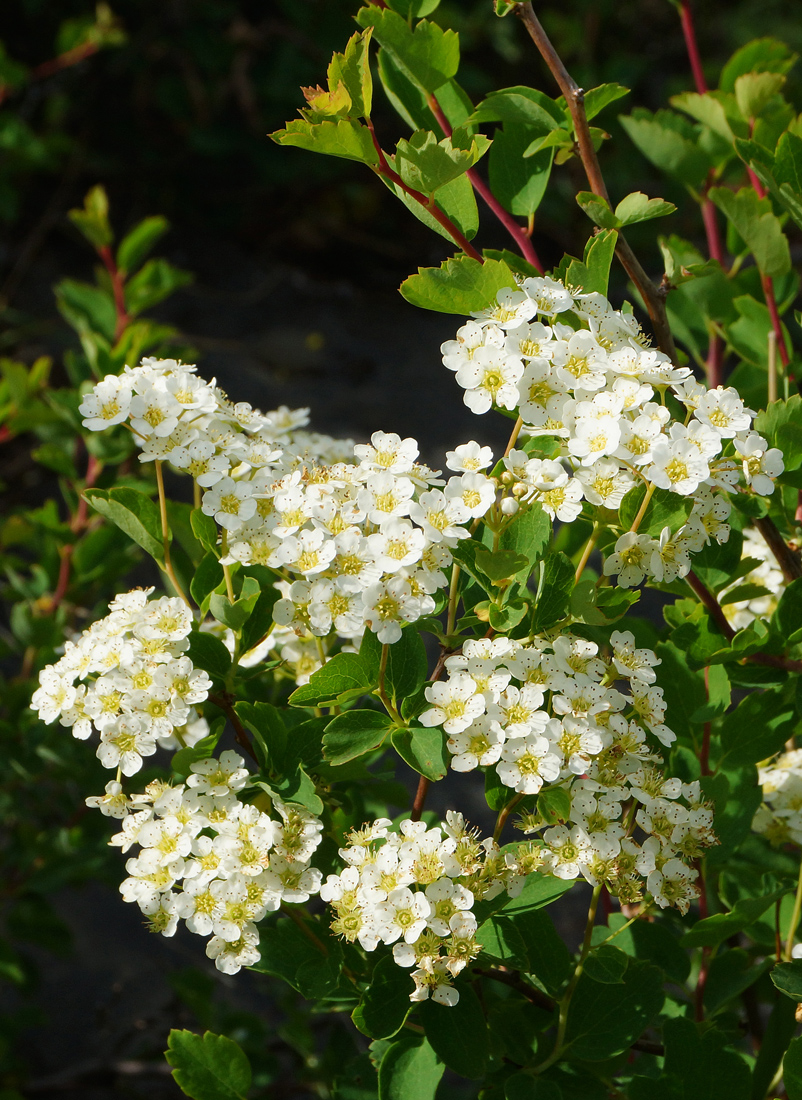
(225, 702)
(653, 296)
(706, 597)
(788, 560)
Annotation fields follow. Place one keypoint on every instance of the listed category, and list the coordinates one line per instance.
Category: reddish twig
(689, 34)
(519, 235)
(78, 523)
(788, 560)
(65, 60)
(652, 295)
(425, 201)
(118, 288)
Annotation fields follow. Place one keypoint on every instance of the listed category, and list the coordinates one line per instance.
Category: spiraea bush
(654, 443)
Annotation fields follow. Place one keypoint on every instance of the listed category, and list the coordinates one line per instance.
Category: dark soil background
(297, 260)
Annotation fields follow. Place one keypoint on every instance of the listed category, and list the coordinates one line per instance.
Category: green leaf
(792, 1070)
(731, 973)
(521, 106)
(204, 529)
(758, 225)
(719, 696)
(385, 1004)
(779, 174)
(706, 1070)
(428, 54)
(781, 424)
(207, 652)
(607, 964)
(425, 163)
(93, 220)
(597, 209)
(605, 1020)
(410, 1070)
(353, 734)
(407, 664)
(528, 535)
(554, 591)
(649, 941)
(342, 678)
(235, 613)
(760, 55)
(593, 272)
(665, 509)
(352, 70)
(88, 309)
(55, 457)
(670, 142)
(683, 689)
(787, 619)
(787, 976)
(206, 578)
(460, 285)
(455, 199)
(134, 513)
(757, 728)
(596, 99)
(269, 733)
(753, 91)
(289, 954)
(424, 749)
(714, 930)
(134, 246)
(519, 184)
(774, 1044)
(500, 565)
(716, 110)
(346, 138)
(208, 1067)
(637, 207)
(152, 284)
(554, 805)
(458, 1034)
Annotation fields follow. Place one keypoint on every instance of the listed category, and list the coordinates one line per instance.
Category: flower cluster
(779, 817)
(139, 688)
(210, 859)
(415, 889)
(620, 414)
(356, 545)
(549, 714)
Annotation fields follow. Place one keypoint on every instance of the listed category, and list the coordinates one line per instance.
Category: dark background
(297, 259)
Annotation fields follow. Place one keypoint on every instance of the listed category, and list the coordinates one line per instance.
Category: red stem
(77, 524)
(516, 231)
(118, 287)
(384, 169)
(768, 293)
(64, 60)
(689, 34)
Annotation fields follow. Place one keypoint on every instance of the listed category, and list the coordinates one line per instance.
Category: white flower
(469, 458)
(107, 404)
(490, 378)
(124, 743)
(724, 411)
(631, 559)
(761, 466)
(218, 776)
(388, 452)
(549, 295)
(404, 914)
(673, 884)
(476, 492)
(605, 483)
(230, 502)
(476, 746)
(154, 412)
(440, 517)
(456, 703)
(390, 603)
(513, 308)
(526, 763)
(677, 466)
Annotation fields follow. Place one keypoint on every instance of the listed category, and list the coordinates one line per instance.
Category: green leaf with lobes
(134, 513)
(714, 930)
(519, 184)
(427, 54)
(346, 138)
(208, 1067)
(406, 667)
(592, 273)
(554, 591)
(758, 225)
(636, 207)
(455, 199)
(520, 106)
(355, 733)
(352, 70)
(425, 164)
(460, 285)
(670, 142)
